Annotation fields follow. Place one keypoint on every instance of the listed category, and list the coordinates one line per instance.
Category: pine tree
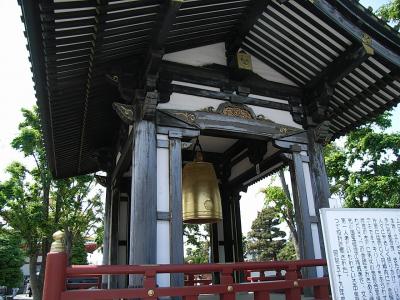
(265, 239)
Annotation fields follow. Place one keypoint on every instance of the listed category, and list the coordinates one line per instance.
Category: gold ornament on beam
(200, 192)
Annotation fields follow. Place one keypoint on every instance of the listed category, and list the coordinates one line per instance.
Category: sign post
(363, 252)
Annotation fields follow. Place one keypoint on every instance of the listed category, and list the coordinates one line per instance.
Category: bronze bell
(200, 193)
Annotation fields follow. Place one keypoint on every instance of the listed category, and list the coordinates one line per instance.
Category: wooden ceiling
(314, 44)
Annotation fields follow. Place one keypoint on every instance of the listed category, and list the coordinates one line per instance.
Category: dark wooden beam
(349, 60)
(181, 89)
(319, 91)
(124, 160)
(218, 76)
(257, 7)
(214, 122)
(160, 35)
(237, 184)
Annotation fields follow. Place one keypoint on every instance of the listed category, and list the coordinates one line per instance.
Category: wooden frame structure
(125, 86)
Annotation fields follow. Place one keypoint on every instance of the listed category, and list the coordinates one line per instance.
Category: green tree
(288, 252)
(35, 205)
(78, 211)
(265, 239)
(197, 241)
(11, 259)
(365, 172)
(390, 12)
(22, 210)
(279, 200)
(78, 252)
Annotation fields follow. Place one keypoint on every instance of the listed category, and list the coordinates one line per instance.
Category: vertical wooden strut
(175, 191)
(319, 179)
(305, 232)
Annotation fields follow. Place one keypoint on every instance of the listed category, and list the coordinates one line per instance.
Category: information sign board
(363, 252)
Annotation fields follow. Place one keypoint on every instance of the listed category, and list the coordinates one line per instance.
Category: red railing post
(149, 283)
(54, 281)
(261, 295)
(227, 280)
(293, 293)
(321, 292)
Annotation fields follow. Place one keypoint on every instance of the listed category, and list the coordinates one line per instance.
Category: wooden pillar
(237, 229)
(143, 219)
(214, 243)
(319, 179)
(227, 224)
(107, 231)
(305, 211)
(175, 193)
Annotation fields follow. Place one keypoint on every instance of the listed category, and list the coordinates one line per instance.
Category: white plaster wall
(163, 227)
(268, 72)
(277, 116)
(200, 56)
(189, 102)
(240, 167)
(215, 54)
(163, 250)
(309, 191)
(221, 249)
(163, 179)
(317, 247)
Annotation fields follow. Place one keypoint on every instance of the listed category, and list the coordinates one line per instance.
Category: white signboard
(363, 252)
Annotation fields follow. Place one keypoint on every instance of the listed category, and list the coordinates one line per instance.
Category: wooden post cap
(58, 244)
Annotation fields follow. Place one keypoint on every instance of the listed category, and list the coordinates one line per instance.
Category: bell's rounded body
(200, 194)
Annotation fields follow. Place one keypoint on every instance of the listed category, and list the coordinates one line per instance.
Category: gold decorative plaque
(244, 61)
(236, 111)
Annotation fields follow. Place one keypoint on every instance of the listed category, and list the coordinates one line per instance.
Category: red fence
(57, 273)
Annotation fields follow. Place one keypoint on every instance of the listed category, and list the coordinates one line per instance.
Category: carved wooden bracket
(102, 180)
(149, 105)
(125, 112)
(322, 133)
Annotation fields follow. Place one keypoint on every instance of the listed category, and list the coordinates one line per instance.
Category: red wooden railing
(57, 273)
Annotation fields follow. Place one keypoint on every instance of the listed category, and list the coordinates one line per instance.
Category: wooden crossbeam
(218, 76)
(156, 50)
(349, 60)
(319, 91)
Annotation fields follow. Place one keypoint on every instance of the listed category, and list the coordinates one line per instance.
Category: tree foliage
(78, 251)
(35, 205)
(288, 252)
(279, 200)
(197, 241)
(390, 12)
(265, 239)
(11, 259)
(365, 172)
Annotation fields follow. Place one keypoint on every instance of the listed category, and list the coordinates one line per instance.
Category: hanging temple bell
(200, 193)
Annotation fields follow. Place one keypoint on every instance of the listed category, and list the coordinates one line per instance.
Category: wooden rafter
(255, 10)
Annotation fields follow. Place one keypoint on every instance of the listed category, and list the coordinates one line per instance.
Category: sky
(16, 90)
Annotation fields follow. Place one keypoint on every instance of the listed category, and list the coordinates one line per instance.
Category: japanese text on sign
(363, 252)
